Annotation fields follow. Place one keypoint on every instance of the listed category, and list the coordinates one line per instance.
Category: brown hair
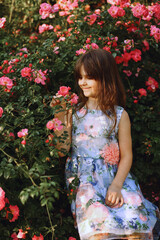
(101, 66)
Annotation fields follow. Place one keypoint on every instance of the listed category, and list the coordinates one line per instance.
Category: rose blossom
(74, 99)
(39, 77)
(50, 125)
(2, 198)
(15, 211)
(2, 22)
(26, 72)
(152, 84)
(142, 92)
(21, 234)
(40, 237)
(63, 90)
(1, 112)
(80, 51)
(45, 27)
(7, 82)
(22, 133)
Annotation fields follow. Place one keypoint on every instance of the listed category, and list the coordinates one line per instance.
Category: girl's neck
(92, 103)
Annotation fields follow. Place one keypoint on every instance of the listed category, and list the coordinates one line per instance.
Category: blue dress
(94, 162)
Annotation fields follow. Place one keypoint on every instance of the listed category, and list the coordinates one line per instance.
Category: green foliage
(32, 175)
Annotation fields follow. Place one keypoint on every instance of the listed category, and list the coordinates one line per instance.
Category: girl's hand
(56, 101)
(114, 197)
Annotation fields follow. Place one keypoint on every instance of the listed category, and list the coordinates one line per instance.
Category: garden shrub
(40, 43)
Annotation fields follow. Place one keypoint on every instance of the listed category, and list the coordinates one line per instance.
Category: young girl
(109, 203)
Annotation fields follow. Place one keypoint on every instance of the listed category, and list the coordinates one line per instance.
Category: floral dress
(94, 162)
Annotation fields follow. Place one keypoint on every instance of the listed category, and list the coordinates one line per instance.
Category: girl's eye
(89, 77)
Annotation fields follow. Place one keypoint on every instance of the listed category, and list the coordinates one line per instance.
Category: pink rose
(1, 111)
(57, 124)
(74, 99)
(40, 237)
(63, 91)
(23, 142)
(80, 51)
(152, 84)
(26, 72)
(14, 236)
(21, 234)
(50, 125)
(142, 92)
(22, 133)
(15, 212)
(2, 22)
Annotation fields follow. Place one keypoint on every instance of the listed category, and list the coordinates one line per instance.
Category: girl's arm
(66, 118)
(114, 195)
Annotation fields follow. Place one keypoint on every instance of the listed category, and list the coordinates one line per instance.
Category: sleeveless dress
(94, 162)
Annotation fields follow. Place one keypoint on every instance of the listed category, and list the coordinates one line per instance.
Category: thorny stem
(15, 160)
(49, 216)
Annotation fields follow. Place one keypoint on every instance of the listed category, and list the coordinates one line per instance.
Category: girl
(109, 203)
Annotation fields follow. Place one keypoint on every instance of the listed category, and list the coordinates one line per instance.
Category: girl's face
(88, 85)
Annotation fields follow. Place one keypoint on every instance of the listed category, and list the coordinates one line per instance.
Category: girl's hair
(101, 66)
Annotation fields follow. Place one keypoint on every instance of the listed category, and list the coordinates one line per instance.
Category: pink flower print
(71, 238)
(63, 90)
(84, 194)
(83, 111)
(1, 112)
(132, 198)
(97, 212)
(110, 153)
(82, 137)
(143, 218)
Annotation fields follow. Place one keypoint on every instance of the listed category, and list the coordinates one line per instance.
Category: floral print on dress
(90, 171)
(110, 153)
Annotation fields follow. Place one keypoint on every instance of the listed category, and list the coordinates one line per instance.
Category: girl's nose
(83, 81)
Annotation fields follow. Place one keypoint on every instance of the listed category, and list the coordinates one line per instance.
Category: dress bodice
(91, 131)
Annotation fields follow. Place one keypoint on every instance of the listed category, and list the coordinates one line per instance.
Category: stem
(49, 216)
(11, 10)
(15, 160)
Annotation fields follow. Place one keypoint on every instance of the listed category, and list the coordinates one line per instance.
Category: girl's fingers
(121, 202)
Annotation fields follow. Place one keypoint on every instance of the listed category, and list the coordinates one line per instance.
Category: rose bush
(40, 43)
